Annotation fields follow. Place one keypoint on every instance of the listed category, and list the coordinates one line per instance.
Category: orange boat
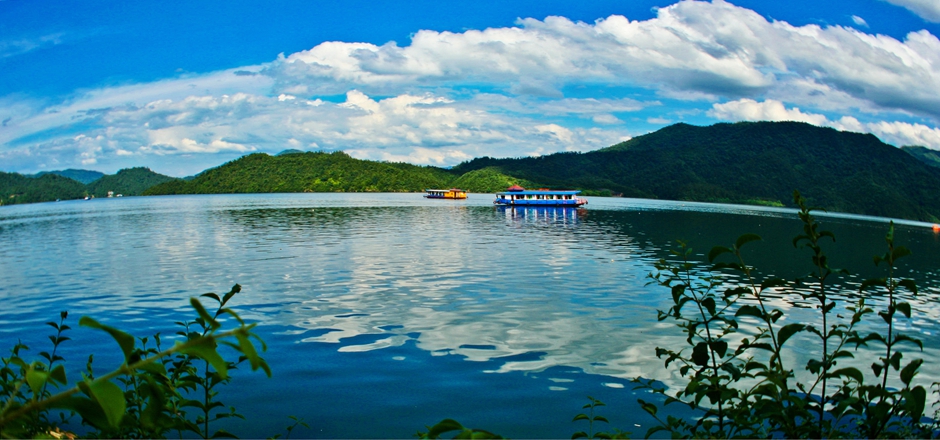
(453, 193)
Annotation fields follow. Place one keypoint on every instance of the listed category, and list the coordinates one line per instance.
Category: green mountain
(128, 182)
(17, 188)
(308, 172)
(746, 162)
(926, 155)
(83, 176)
(46, 187)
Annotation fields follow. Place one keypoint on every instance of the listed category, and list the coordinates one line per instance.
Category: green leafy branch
(101, 402)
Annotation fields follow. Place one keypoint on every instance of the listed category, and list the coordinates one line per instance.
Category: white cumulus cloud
(708, 48)
(927, 9)
(893, 132)
(538, 87)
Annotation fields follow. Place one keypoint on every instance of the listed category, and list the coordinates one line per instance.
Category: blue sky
(182, 86)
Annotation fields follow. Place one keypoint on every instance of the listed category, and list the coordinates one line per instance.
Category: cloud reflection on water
(531, 289)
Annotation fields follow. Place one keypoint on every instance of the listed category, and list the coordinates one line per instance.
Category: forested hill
(46, 187)
(926, 155)
(306, 172)
(17, 188)
(128, 182)
(747, 162)
(328, 172)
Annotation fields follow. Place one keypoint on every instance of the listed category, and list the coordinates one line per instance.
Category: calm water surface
(384, 313)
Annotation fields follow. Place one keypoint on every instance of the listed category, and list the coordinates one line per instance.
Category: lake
(384, 313)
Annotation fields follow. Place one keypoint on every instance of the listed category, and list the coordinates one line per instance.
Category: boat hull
(541, 203)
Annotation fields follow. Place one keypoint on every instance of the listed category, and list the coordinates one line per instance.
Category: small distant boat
(452, 193)
(519, 196)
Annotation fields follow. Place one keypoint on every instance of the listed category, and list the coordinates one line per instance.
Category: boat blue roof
(537, 192)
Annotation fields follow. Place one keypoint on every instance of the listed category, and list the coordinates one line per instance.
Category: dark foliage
(16, 188)
(129, 182)
(308, 172)
(746, 162)
(926, 155)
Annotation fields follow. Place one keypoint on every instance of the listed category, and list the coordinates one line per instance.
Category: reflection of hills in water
(496, 283)
(358, 289)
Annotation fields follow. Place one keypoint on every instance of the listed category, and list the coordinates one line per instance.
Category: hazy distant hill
(926, 155)
(83, 176)
(17, 188)
(128, 182)
(747, 162)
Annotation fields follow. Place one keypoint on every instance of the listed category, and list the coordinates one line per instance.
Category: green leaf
(235, 289)
(745, 239)
(787, 331)
(443, 426)
(749, 310)
(909, 285)
(700, 354)
(854, 373)
(773, 282)
(900, 252)
(152, 415)
(709, 304)
(248, 349)
(36, 379)
(874, 282)
(205, 348)
(204, 314)
(58, 374)
(222, 434)
(916, 402)
(717, 251)
(581, 416)
(124, 340)
(720, 348)
(89, 410)
(648, 407)
(904, 308)
(896, 360)
(211, 295)
(909, 371)
(154, 368)
(905, 338)
(111, 400)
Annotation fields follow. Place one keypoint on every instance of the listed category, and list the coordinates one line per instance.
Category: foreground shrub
(753, 386)
(155, 391)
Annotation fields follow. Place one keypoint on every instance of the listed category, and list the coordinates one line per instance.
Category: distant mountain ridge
(55, 185)
(745, 162)
(327, 172)
(82, 176)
